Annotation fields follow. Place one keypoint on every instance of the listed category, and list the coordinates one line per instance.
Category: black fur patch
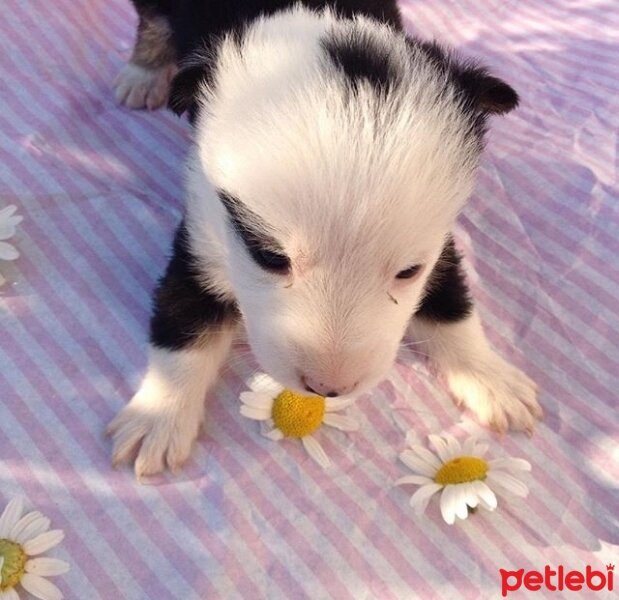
(183, 310)
(361, 59)
(198, 26)
(492, 95)
(249, 228)
(199, 23)
(447, 298)
(185, 85)
(482, 91)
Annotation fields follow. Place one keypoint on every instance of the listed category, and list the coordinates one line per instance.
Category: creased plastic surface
(100, 190)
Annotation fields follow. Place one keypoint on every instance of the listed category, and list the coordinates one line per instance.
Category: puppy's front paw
(155, 430)
(501, 395)
(139, 87)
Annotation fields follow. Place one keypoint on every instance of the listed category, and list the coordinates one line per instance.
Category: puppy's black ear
(185, 86)
(485, 92)
(488, 93)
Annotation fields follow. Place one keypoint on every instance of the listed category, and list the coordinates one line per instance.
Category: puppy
(332, 156)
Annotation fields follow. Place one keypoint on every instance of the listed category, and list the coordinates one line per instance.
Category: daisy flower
(464, 477)
(8, 222)
(20, 539)
(287, 414)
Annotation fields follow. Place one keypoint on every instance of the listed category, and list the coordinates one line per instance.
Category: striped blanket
(100, 191)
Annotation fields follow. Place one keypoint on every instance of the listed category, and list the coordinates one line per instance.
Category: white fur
(353, 191)
(139, 87)
(498, 393)
(158, 427)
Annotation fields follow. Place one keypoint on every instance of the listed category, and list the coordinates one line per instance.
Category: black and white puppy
(332, 155)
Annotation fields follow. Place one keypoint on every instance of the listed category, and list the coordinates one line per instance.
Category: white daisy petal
(257, 400)
(24, 522)
(485, 494)
(47, 567)
(9, 594)
(413, 462)
(7, 211)
(483, 504)
(40, 587)
(460, 498)
(415, 479)
(7, 228)
(448, 504)
(480, 450)
(275, 435)
(440, 445)
(471, 496)
(315, 450)
(427, 456)
(43, 542)
(511, 464)
(508, 482)
(258, 414)
(35, 527)
(8, 223)
(341, 422)
(8, 251)
(419, 500)
(468, 446)
(334, 404)
(264, 384)
(10, 516)
(411, 438)
(453, 445)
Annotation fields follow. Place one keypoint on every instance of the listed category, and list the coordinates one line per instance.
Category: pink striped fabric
(100, 190)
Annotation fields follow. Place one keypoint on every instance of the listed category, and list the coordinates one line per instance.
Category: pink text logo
(557, 580)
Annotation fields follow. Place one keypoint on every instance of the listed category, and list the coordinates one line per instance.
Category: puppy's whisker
(419, 352)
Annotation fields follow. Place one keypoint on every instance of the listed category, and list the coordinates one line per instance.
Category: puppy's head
(332, 158)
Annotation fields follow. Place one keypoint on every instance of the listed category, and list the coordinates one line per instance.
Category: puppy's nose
(329, 390)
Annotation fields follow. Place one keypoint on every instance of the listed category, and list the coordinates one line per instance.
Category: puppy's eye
(271, 261)
(409, 273)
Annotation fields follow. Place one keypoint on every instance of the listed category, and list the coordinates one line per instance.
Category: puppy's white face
(326, 307)
(332, 210)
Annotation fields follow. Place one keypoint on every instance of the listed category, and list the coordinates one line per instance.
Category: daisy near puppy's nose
(329, 389)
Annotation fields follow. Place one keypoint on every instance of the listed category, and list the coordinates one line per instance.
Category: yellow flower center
(14, 565)
(296, 415)
(462, 470)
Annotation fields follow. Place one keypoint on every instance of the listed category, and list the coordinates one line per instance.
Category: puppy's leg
(144, 82)
(191, 334)
(450, 331)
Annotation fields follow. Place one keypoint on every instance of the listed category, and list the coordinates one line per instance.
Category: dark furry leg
(144, 82)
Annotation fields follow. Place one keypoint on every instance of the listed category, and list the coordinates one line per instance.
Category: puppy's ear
(185, 86)
(489, 94)
(486, 93)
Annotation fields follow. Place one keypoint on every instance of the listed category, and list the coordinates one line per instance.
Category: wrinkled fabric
(100, 190)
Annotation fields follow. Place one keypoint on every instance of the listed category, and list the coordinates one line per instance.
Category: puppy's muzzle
(326, 388)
